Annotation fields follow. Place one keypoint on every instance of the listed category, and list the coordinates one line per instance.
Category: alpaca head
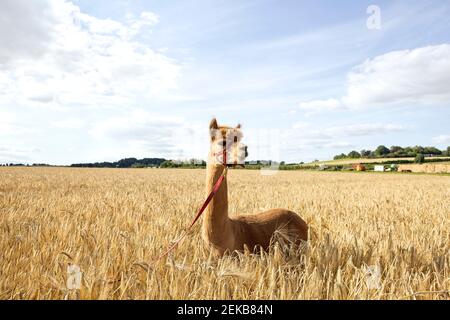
(224, 139)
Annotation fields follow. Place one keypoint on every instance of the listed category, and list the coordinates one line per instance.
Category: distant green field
(365, 160)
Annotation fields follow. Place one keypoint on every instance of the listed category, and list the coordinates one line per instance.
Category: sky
(87, 81)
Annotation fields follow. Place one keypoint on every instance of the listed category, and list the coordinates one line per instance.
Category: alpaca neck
(216, 219)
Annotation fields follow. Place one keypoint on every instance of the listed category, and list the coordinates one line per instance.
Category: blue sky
(87, 81)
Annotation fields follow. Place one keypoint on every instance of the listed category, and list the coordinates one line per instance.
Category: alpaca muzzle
(226, 147)
(232, 154)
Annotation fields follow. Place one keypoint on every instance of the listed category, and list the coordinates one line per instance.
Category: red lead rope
(199, 213)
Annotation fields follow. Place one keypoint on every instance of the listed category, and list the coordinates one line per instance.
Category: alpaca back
(258, 230)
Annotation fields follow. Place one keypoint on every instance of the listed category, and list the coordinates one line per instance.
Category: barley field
(373, 236)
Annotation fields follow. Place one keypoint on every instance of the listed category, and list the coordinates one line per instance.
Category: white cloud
(53, 56)
(315, 106)
(339, 144)
(9, 125)
(142, 133)
(16, 154)
(24, 27)
(147, 19)
(305, 135)
(56, 56)
(419, 76)
(6, 117)
(138, 125)
(365, 129)
(73, 123)
(443, 139)
(12, 134)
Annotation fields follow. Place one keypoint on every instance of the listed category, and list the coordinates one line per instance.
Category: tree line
(123, 163)
(394, 152)
(162, 163)
(417, 152)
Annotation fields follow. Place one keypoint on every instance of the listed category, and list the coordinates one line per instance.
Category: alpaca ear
(238, 126)
(213, 124)
(213, 129)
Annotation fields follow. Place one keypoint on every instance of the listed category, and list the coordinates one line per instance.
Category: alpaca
(228, 234)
